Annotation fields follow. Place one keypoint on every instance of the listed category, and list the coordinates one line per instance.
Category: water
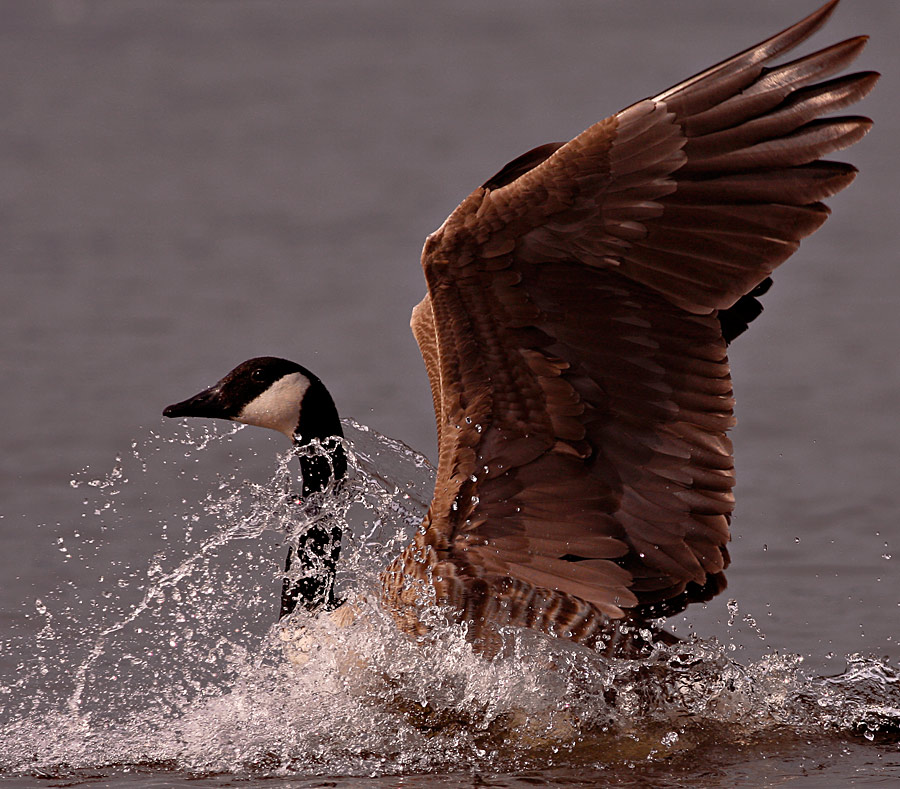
(195, 680)
(189, 185)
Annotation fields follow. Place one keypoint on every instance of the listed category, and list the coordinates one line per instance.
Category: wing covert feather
(422, 324)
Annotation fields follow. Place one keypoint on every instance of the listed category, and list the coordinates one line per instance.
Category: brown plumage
(575, 328)
(579, 308)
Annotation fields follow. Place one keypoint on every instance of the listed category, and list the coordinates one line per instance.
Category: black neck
(318, 470)
(314, 559)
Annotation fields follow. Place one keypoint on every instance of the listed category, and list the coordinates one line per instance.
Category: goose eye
(258, 375)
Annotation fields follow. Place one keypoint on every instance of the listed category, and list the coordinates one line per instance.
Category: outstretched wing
(573, 338)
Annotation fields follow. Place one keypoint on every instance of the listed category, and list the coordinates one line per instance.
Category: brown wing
(584, 389)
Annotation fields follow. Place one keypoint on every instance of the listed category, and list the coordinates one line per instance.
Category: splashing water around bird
(179, 663)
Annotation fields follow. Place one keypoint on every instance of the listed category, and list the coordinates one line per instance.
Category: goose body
(575, 331)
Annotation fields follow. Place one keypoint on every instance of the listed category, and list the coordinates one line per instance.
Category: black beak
(207, 404)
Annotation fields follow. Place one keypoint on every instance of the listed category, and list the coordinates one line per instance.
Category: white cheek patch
(278, 407)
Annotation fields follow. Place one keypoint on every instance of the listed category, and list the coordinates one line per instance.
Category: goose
(575, 328)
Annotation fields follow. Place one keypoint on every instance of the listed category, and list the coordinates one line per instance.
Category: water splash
(179, 662)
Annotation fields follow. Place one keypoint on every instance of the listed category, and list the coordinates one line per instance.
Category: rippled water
(196, 682)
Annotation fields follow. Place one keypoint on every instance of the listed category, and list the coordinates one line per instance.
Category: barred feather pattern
(575, 331)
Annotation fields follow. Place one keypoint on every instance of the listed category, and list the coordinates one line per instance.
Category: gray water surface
(184, 185)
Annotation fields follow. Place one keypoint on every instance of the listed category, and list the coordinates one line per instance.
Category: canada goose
(574, 331)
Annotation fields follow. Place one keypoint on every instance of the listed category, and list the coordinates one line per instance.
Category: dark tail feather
(735, 320)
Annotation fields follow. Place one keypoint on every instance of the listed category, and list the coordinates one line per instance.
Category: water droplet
(670, 739)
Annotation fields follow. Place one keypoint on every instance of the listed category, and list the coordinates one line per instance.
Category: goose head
(268, 392)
